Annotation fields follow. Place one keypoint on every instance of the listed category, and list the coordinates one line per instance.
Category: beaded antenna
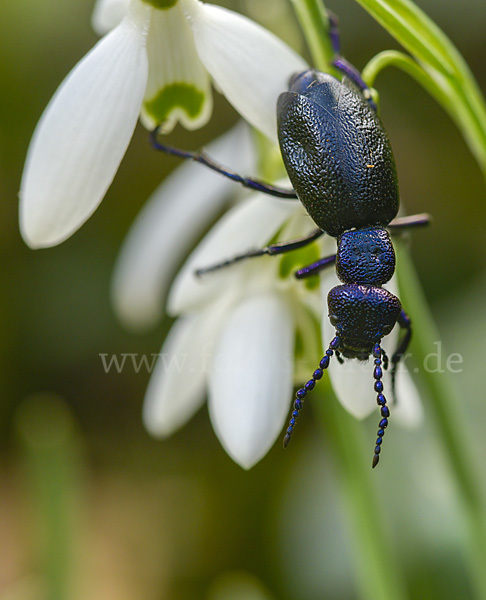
(379, 358)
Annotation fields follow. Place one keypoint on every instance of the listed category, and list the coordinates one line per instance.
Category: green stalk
(51, 457)
(447, 92)
(445, 404)
(378, 574)
(394, 58)
(313, 20)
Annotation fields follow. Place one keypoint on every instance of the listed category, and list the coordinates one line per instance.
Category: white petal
(249, 64)
(177, 387)
(353, 384)
(248, 225)
(174, 217)
(178, 86)
(251, 378)
(408, 411)
(107, 14)
(174, 393)
(82, 136)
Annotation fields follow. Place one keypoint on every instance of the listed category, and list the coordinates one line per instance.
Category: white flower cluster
(234, 340)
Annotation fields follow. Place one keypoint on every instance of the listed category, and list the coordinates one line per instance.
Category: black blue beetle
(339, 160)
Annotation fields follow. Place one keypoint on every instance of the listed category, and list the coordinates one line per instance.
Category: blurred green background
(90, 505)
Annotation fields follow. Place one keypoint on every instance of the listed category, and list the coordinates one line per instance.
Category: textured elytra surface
(362, 315)
(337, 155)
(365, 256)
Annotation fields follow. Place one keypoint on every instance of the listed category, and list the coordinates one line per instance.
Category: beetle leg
(342, 64)
(334, 32)
(200, 157)
(355, 76)
(400, 223)
(272, 250)
(316, 267)
(384, 356)
(405, 323)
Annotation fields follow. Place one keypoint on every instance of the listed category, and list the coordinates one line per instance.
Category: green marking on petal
(308, 342)
(300, 346)
(161, 4)
(293, 261)
(176, 95)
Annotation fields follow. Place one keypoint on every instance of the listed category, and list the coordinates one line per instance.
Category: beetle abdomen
(337, 154)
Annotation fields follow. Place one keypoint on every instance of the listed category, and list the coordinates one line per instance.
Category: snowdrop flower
(156, 60)
(234, 338)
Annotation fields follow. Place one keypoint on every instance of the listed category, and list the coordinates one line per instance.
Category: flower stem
(450, 426)
(313, 20)
(378, 574)
(52, 460)
(378, 579)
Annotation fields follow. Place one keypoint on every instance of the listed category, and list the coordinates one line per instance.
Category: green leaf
(440, 88)
(450, 79)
